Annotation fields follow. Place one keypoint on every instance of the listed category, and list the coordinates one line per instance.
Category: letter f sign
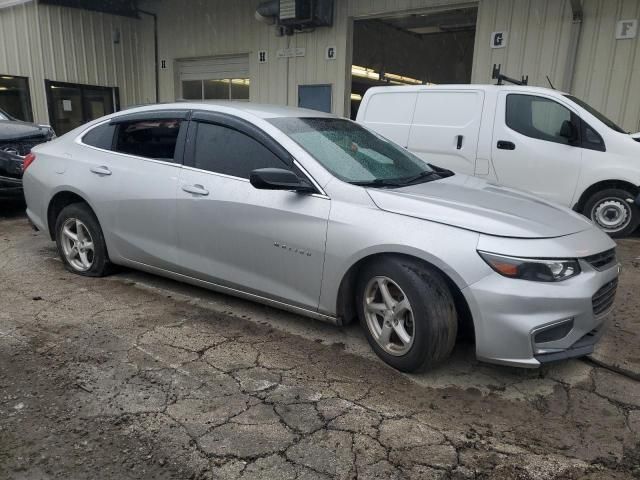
(626, 29)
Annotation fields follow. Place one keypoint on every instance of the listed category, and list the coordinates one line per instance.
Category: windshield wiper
(378, 182)
(422, 175)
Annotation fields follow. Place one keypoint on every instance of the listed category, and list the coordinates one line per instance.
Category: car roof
(416, 88)
(255, 109)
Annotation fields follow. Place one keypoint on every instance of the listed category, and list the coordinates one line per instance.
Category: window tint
(100, 137)
(537, 117)
(225, 150)
(149, 138)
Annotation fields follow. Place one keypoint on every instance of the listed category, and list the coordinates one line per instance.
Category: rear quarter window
(100, 136)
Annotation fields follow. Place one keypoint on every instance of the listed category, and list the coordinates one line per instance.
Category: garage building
(64, 62)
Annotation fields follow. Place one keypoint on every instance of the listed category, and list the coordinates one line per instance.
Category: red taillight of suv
(28, 160)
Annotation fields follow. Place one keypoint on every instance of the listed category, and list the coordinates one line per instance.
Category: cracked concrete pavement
(133, 376)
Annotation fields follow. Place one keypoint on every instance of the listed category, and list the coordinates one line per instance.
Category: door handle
(505, 145)
(196, 190)
(459, 143)
(102, 170)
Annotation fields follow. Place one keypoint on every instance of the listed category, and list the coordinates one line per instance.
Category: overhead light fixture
(6, 77)
(364, 72)
(393, 78)
(3, 88)
(355, 97)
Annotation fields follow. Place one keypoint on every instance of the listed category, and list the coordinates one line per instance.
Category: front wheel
(614, 211)
(407, 312)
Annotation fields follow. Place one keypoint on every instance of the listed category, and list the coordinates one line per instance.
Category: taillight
(28, 160)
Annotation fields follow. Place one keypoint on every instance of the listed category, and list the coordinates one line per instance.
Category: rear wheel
(613, 211)
(80, 241)
(408, 313)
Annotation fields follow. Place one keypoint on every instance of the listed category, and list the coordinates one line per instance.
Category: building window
(15, 98)
(72, 105)
(216, 89)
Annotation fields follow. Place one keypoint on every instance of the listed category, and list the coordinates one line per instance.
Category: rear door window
(149, 138)
(228, 151)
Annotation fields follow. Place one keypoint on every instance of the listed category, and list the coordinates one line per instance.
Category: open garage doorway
(421, 48)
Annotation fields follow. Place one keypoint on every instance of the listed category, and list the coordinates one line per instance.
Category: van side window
(537, 117)
(150, 138)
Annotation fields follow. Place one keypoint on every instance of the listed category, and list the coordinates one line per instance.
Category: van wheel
(407, 312)
(612, 211)
(80, 241)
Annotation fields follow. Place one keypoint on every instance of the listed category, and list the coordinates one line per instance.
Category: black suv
(16, 141)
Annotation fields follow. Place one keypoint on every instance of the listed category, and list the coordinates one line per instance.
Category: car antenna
(496, 75)
(549, 80)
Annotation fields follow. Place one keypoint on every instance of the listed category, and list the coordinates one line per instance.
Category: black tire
(100, 265)
(435, 323)
(616, 198)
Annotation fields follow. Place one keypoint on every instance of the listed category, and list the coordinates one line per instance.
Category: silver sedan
(318, 215)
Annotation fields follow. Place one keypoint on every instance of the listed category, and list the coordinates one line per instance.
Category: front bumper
(510, 315)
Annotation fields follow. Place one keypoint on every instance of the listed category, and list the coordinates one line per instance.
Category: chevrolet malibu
(320, 216)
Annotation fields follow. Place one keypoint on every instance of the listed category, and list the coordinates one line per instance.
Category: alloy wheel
(77, 245)
(389, 316)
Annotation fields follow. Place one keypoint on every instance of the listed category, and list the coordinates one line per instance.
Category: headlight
(534, 269)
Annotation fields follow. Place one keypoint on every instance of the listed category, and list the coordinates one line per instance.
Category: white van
(535, 139)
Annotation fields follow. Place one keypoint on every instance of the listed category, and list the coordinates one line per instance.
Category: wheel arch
(602, 185)
(58, 202)
(346, 310)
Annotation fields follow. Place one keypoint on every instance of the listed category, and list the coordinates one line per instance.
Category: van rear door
(389, 113)
(445, 128)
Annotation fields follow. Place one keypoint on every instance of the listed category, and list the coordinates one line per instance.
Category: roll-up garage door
(214, 78)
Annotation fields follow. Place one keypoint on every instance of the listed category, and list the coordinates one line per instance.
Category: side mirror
(279, 179)
(569, 131)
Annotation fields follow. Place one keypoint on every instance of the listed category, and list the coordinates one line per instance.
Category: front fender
(356, 233)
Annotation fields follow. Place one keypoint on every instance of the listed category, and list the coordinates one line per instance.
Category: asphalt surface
(133, 376)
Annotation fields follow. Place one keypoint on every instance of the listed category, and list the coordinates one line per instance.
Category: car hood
(636, 136)
(475, 204)
(14, 130)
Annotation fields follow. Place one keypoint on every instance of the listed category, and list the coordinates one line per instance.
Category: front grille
(604, 298)
(600, 261)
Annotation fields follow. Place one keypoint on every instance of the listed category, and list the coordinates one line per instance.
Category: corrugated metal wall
(538, 33)
(20, 52)
(218, 27)
(76, 46)
(607, 71)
